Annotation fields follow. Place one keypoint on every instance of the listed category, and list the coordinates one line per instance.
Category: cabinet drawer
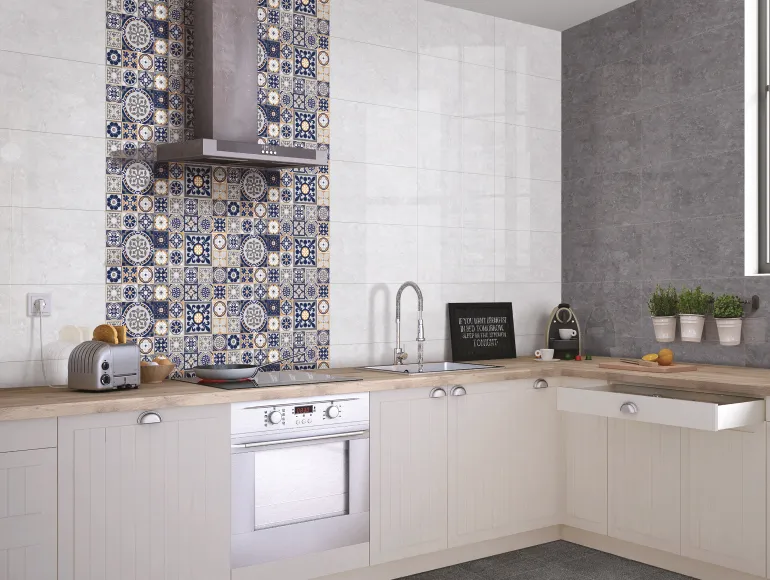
(27, 434)
(663, 406)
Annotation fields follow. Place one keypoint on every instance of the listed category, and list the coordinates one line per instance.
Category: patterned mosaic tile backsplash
(213, 264)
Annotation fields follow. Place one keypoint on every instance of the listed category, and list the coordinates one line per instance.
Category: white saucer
(552, 360)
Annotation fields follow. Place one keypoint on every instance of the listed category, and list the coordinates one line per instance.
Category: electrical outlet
(32, 307)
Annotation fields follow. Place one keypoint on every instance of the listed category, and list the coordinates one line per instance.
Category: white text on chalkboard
(484, 330)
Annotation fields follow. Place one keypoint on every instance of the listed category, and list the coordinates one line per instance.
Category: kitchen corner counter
(40, 402)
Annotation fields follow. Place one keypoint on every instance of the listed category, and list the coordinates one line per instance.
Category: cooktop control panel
(302, 413)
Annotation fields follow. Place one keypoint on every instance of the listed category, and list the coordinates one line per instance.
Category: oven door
(299, 496)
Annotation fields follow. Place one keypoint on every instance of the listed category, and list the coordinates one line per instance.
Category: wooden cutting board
(675, 368)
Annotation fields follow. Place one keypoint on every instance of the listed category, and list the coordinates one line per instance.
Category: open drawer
(663, 406)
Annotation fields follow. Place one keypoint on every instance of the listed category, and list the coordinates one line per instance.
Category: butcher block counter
(39, 402)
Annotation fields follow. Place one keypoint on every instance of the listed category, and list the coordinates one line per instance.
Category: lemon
(666, 357)
(650, 357)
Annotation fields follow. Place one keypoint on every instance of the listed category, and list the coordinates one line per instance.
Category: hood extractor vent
(228, 57)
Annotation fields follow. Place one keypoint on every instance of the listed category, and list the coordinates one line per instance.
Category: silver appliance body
(98, 366)
(300, 477)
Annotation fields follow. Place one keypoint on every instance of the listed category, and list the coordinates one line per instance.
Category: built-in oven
(300, 478)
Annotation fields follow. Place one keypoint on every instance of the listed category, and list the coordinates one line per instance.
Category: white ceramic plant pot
(729, 331)
(691, 327)
(665, 328)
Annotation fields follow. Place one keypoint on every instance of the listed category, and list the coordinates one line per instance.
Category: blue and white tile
(440, 142)
(440, 86)
(374, 74)
(51, 171)
(527, 49)
(378, 253)
(51, 95)
(527, 257)
(440, 198)
(76, 257)
(374, 194)
(374, 134)
(478, 102)
(478, 142)
(392, 23)
(527, 205)
(54, 28)
(528, 100)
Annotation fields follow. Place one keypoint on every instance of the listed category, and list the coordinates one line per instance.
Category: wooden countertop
(40, 402)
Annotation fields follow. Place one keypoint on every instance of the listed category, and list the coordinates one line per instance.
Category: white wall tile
(478, 98)
(373, 253)
(456, 255)
(6, 219)
(440, 198)
(51, 95)
(381, 353)
(54, 246)
(478, 147)
(527, 344)
(54, 28)
(477, 32)
(527, 256)
(374, 194)
(532, 304)
(528, 100)
(439, 30)
(440, 142)
(51, 171)
(437, 296)
(374, 134)
(478, 201)
(527, 49)
(440, 86)
(30, 373)
(374, 74)
(527, 205)
(528, 152)
(392, 23)
(72, 307)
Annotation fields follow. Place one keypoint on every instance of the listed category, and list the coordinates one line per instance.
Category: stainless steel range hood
(227, 112)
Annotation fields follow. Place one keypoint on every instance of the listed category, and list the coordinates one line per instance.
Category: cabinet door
(148, 501)
(28, 515)
(644, 465)
(503, 461)
(723, 498)
(408, 450)
(585, 449)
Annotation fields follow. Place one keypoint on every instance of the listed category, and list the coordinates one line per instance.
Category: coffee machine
(563, 318)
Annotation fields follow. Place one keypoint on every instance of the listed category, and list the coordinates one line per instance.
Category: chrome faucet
(399, 354)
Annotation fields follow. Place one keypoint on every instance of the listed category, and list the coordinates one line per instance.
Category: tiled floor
(553, 561)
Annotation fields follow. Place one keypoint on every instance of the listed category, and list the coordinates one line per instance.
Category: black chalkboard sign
(482, 331)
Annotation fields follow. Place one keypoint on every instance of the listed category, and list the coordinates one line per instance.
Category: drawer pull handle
(458, 391)
(540, 384)
(629, 408)
(149, 417)
(437, 393)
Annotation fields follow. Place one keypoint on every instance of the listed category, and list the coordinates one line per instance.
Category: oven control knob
(333, 412)
(274, 417)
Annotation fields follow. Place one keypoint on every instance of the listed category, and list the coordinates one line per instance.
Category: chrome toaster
(98, 366)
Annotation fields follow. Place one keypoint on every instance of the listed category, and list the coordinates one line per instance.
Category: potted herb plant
(663, 305)
(694, 305)
(728, 312)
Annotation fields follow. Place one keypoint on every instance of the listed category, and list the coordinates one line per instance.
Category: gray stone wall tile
(668, 21)
(607, 146)
(602, 200)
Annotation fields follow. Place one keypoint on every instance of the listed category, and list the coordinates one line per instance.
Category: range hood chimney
(227, 56)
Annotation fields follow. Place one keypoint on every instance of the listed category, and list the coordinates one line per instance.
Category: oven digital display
(302, 410)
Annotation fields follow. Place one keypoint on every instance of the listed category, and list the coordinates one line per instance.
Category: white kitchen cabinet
(147, 501)
(504, 463)
(724, 498)
(408, 454)
(28, 515)
(585, 450)
(644, 462)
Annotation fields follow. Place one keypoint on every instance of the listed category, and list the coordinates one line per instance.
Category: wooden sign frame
(461, 350)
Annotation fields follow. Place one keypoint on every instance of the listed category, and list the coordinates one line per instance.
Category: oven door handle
(348, 435)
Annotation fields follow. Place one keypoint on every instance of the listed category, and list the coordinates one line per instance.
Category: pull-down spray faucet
(399, 354)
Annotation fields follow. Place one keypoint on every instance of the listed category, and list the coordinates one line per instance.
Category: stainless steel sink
(436, 367)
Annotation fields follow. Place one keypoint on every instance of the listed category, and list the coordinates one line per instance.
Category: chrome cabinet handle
(629, 408)
(437, 393)
(349, 435)
(149, 417)
(540, 384)
(458, 391)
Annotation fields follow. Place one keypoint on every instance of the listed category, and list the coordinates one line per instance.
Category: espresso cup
(544, 353)
(567, 333)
